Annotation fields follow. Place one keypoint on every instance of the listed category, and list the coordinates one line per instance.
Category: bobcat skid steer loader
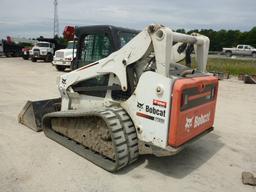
(138, 100)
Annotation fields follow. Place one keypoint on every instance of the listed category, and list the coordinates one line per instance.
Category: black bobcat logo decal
(64, 81)
(140, 105)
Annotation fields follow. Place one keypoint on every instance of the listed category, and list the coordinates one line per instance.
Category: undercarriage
(107, 137)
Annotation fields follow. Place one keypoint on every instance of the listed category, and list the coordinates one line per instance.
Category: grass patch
(228, 65)
(232, 66)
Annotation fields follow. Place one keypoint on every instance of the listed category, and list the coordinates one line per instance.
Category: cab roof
(102, 28)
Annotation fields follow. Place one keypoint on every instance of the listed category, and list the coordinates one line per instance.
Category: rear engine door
(193, 108)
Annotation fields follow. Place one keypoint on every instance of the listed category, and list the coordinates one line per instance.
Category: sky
(34, 18)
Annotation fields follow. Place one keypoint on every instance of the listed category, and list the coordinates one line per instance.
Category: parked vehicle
(42, 51)
(10, 48)
(1, 48)
(63, 58)
(244, 50)
(25, 53)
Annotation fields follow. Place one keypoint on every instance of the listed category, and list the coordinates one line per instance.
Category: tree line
(226, 38)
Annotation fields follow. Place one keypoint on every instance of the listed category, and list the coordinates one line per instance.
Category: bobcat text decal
(196, 121)
(153, 112)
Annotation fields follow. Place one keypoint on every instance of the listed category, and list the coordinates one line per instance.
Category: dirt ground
(31, 162)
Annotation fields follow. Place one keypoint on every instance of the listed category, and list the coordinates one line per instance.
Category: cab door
(93, 47)
(247, 50)
(240, 50)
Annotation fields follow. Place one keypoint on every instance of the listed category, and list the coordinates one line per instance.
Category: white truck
(42, 51)
(63, 57)
(244, 50)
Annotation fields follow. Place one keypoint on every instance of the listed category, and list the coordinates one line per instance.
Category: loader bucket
(32, 113)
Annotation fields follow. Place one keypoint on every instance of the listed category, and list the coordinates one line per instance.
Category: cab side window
(125, 37)
(95, 47)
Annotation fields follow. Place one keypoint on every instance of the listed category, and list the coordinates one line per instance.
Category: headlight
(43, 52)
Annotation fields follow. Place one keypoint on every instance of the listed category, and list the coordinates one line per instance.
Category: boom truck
(137, 100)
(10, 48)
(15, 47)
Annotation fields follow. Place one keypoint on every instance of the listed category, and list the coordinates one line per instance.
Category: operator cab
(97, 42)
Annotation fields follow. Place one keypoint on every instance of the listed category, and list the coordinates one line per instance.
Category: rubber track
(123, 133)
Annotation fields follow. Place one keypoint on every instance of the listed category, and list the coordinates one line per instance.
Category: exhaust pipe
(32, 113)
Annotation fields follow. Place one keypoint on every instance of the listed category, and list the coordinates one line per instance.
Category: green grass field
(228, 65)
(232, 66)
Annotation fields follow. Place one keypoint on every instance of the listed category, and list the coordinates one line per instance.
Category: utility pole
(56, 19)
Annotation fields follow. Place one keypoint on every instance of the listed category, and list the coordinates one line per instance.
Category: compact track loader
(138, 100)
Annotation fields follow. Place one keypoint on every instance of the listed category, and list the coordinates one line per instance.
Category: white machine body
(149, 105)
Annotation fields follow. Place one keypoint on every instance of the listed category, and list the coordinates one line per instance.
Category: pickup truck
(244, 50)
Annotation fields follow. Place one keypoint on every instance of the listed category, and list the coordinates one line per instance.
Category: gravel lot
(31, 162)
